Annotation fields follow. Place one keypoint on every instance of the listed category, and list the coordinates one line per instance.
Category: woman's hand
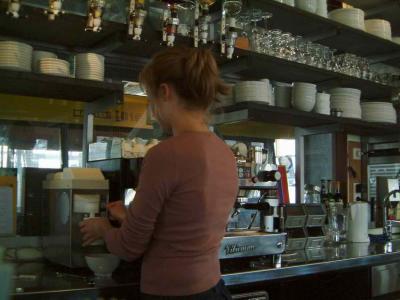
(94, 229)
(117, 211)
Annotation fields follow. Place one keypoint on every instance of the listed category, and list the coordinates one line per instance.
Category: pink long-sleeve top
(186, 191)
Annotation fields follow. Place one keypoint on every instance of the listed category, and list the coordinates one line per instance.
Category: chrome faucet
(388, 224)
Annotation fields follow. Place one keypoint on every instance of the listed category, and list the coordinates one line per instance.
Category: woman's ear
(165, 92)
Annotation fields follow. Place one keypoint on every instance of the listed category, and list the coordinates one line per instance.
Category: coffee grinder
(73, 195)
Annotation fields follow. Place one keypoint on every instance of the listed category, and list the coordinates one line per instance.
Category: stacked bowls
(323, 104)
(37, 56)
(303, 96)
(89, 66)
(322, 8)
(352, 17)
(283, 94)
(307, 5)
(252, 91)
(382, 112)
(380, 28)
(271, 98)
(54, 66)
(15, 56)
(348, 101)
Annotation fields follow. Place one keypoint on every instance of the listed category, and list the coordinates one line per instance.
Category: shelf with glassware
(251, 65)
(57, 87)
(343, 30)
(264, 113)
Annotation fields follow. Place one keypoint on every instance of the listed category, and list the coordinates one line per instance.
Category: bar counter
(53, 281)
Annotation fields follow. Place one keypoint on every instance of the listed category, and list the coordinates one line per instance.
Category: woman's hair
(193, 73)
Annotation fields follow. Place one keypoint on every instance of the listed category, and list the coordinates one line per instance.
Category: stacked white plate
(303, 96)
(252, 91)
(348, 101)
(89, 66)
(382, 112)
(15, 56)
(54, 66)
(353, 17)
(378, 27)
(37, 56)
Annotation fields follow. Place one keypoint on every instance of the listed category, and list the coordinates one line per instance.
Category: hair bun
(193, 72)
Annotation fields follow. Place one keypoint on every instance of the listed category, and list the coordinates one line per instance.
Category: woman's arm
(157, 180)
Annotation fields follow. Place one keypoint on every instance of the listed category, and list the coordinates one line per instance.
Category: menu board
(7, 205)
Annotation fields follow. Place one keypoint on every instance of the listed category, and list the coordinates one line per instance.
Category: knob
(279, 245)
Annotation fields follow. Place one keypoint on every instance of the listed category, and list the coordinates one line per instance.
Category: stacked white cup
(283, 94)
(323, 104)
(322, 8)
(304, 96)
(307, 5)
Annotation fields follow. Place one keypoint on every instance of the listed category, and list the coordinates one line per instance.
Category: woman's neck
(189, 121)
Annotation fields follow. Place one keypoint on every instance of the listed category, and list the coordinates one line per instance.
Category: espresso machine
(255, 228)
(73, 195)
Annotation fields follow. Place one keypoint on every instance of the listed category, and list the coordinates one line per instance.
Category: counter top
(47, 279)
(312, 261)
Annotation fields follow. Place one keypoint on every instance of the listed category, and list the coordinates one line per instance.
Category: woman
(187, 187)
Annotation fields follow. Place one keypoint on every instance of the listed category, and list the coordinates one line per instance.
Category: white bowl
(102, 264)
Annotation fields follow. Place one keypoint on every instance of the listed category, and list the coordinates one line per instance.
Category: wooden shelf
(252, 65)
(326, 31)
(259, 112)
(47, 86)
(66, 31)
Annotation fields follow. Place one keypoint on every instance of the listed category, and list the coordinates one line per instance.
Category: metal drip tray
(247, 243)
